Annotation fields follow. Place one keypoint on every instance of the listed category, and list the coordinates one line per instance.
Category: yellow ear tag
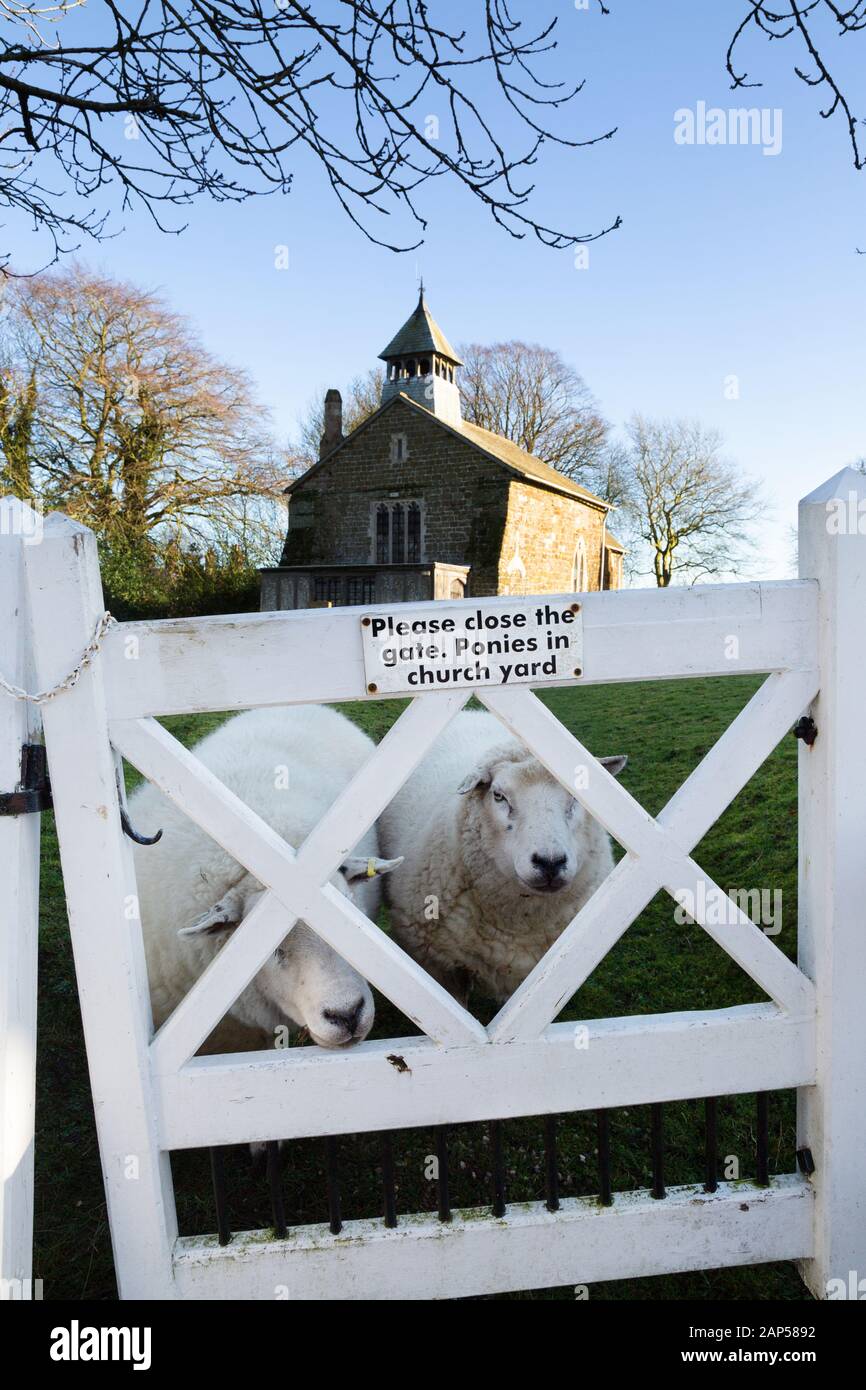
(371, 868)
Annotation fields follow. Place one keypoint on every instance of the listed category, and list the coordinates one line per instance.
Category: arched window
(398, 553)
(410, 367)
(425, 366)
(579, 569)
(398, 531)
(413, 533)
(383, 534)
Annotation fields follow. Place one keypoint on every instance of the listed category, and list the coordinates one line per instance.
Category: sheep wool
(454, 907)
(288, 765)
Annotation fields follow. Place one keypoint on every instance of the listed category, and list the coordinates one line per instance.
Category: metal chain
(43, 696)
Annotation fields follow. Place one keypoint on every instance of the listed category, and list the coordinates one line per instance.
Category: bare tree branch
(220, 97)
(801, 19)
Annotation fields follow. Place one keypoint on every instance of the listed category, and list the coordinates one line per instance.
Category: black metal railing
(496, 1135)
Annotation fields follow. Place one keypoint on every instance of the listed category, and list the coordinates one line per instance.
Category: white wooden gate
(20, 724)
(152, 1095)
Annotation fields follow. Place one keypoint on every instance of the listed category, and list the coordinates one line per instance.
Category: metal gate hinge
(34, 794)
(805, 1162)
(806, 729)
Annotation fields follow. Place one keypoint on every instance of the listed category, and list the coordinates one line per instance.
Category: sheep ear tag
(357, 869)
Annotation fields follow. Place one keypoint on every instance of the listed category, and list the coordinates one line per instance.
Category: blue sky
(728, 263)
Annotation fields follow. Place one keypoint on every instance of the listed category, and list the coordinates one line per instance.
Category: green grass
(666, 728)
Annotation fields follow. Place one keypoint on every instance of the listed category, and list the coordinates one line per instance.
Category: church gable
(417, 503)
(400, 490)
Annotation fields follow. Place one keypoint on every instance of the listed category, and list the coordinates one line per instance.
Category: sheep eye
(497, 796)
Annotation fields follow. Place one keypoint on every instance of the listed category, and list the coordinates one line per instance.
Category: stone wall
(464, 498)
(542, 532)
(515, 537)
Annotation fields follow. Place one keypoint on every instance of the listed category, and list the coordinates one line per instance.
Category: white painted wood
(243, 660)
(326, 847)
(746, 943)
(832, 824)
(150, 1097)
(604, 1063)
(655, 860)
(735, 758)
(576, 952)
(66, 600)
(529, 1248)
(296, 879)
(19, 911)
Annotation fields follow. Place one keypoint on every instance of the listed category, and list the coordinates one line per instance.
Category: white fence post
(832, 897)
(19, 908)
(66, 604)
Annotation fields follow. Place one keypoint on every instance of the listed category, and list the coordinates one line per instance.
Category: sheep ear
(356, 868)
(219, 919)
(481, 777)
(615, 764)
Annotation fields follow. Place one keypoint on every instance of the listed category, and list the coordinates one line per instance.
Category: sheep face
(528, 824)
(305, 982)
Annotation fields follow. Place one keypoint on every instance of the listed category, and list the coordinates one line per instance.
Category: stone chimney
(333, 423)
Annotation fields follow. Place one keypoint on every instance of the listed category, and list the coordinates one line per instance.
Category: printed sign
(410, 650)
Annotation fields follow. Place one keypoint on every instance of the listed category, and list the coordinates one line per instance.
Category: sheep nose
(348, 1018)
(550, 866)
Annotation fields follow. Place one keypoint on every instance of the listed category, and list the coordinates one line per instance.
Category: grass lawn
(666, 728)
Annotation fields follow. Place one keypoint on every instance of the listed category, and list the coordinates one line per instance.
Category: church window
(383, 533)
(360, 590)
(399, 448)
(425, 367)
(398, 533)
(326, 591)
(410, 367)
(413, 533)
(579, 569)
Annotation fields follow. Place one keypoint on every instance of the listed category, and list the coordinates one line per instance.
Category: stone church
(417, 503)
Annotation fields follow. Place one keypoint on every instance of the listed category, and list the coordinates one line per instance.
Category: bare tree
(533, 397)
(171, 100)
(691, 507)
(121, 417)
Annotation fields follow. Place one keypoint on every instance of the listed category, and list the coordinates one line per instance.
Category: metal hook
(133, 834)
(126, 823)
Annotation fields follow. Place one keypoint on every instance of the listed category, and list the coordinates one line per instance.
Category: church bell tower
(423, 365)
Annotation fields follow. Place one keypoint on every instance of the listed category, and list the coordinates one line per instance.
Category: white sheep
(498, 858)
(288, 765)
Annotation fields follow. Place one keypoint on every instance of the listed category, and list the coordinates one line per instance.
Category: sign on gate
(418, 648)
